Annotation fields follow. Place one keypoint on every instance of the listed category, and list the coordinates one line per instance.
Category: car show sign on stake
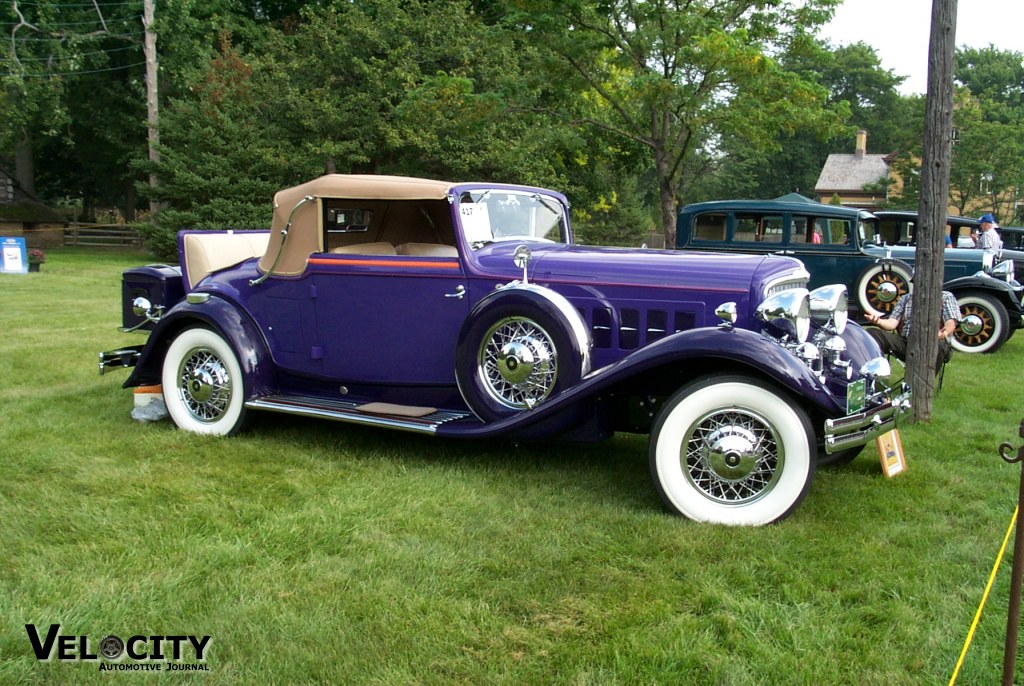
(15, 256)
(890, 452)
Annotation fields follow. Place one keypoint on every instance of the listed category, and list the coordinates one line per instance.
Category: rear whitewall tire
(995, 324)
(732, 450)
(202, 383)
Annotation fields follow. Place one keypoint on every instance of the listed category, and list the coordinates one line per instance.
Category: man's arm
(882, 322)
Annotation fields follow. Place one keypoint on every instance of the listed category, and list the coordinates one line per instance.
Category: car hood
(722, 272)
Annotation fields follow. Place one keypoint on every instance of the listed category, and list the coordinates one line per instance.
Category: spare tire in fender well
(518, 346)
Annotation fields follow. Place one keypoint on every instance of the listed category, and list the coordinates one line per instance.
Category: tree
(53, 44)
(988, 162)
(223, 151)
(861, 94)
(678, 77)
(922, 344)
(388, 86)
(996, 78)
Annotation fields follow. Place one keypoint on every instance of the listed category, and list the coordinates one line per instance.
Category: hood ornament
(521, 257)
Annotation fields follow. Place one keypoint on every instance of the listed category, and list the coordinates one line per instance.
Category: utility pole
(923, 343)
(152, 102)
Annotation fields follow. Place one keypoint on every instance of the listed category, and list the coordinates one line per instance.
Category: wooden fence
(101, 235)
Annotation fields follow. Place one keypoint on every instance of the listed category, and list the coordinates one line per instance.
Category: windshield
(867, 231)
(490, 215)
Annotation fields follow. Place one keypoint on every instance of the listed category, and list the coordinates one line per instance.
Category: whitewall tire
(731, 450)
(881, 285)
(985, 326)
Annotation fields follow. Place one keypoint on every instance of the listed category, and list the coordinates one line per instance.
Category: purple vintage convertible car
(465, 310)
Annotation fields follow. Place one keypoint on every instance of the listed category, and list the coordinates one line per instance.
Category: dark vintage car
(1013, 239)
(872, 254)
(465, 310)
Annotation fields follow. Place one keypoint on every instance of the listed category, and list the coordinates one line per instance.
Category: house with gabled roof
(845, 176)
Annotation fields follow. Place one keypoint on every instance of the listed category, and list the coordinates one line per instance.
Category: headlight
(876, 368)
(789, 311)
(1004, 270)
(829, 307)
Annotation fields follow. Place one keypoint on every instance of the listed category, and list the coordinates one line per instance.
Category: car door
(388, 319)
(824, 245)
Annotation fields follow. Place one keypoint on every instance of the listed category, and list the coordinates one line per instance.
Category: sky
(898, 30)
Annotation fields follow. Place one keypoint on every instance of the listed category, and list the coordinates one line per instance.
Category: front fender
(222, 316)
(691, 351)
(740, 348)
(996, 287)
(860, 345)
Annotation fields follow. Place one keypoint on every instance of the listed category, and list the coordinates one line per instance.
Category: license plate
(855, 396)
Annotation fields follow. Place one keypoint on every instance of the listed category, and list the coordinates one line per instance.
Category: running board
(346, 411)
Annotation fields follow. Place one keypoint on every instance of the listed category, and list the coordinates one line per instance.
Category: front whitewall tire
(731, 450)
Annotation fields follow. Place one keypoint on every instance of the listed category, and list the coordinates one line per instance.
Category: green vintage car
(873, 254)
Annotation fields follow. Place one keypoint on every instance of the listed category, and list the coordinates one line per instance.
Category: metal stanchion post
(1013, 620)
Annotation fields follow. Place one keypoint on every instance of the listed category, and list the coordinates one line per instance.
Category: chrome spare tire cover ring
(204, 385)
(733, 457)
(518, 363)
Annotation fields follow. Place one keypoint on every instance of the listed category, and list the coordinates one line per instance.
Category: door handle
(460, 292)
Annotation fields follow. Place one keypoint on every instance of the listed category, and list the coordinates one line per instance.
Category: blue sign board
(14, 258)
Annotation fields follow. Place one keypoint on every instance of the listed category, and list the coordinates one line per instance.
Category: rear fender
(229, 321)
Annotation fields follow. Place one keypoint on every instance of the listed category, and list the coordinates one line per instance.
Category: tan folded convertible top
(305, 236)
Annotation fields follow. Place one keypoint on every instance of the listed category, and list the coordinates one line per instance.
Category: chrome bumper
(117, 359)
(857, 429)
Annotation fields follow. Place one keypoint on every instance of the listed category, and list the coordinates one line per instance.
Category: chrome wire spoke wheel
(732, 450)
(204, 385)
(518, 363)
(733, 457)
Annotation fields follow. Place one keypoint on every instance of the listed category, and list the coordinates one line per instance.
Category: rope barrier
(984, 597)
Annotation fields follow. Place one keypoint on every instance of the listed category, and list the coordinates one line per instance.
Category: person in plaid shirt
(894, 329)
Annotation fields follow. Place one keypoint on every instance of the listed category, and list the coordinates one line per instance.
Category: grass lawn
(314, 552)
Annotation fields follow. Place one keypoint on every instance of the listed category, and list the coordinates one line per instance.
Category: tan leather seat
(427, 250)
(207, 253)
(379, 248)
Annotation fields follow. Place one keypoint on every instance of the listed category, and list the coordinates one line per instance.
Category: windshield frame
(519, 204)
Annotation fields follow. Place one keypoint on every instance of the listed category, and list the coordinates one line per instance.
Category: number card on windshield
(476, 222)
